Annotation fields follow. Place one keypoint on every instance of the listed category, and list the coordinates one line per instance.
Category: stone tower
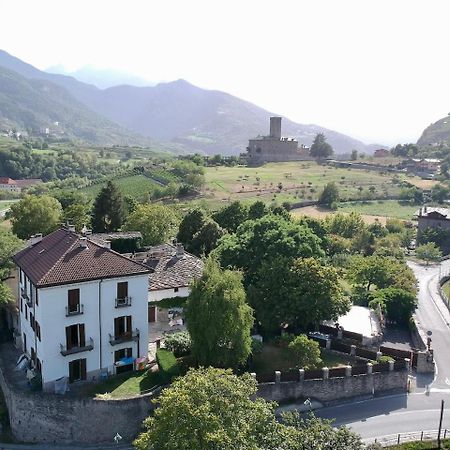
(275, 127)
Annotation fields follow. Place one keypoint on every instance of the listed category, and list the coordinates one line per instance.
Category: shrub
(168, 365)
(178, 343)
(284, 340)
(385, 359)
(306, 351)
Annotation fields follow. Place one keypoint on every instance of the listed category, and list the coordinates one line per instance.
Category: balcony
(25, 296)
(75, 311)
(125, 337)
(121, 302)
(89, 345)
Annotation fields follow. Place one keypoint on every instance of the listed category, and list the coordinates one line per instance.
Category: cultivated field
(296, 181)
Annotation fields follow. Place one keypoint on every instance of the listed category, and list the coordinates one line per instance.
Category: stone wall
(49, 418)
(333, 390)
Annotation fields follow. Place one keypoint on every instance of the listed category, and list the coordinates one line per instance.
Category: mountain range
(177, 114)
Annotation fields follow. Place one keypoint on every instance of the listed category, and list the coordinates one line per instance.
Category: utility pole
(440, 424)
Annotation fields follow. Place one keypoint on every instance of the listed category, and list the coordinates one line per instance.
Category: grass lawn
(446, 289)
(126, 385)
(278, 358)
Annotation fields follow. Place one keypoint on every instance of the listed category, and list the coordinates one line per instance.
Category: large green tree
(35, 214)
(265, 239)
(206, 239)
(231, 216)
(298, 294)
(219, 319)
(156, 222)
(398, 304)
(108, 214)
(380, 272)
(212, 409)
(209, 409)
(191, 224)
(320, 148)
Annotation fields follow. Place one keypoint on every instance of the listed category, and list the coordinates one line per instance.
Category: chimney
(83, 242)
(107, 244)
(71, 228)
(180, 250)
(424, 209)
(35, 238)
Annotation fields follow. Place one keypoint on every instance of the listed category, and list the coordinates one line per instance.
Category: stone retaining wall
(333, 390)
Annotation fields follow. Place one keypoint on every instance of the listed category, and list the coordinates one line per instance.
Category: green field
(137, 186)
(385, 208)
(299, 181)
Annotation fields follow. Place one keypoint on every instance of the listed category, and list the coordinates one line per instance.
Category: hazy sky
(377, 70)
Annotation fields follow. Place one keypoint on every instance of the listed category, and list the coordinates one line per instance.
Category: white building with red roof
(82, 308)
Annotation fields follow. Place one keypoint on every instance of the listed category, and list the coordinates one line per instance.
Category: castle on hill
(274, 148)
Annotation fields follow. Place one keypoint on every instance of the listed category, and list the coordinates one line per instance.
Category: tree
(219, 319)
(345, 225)
(108, 209)
(306, 351)
(35, 214)
(428, 252)
(382, 272)
(78, 215)
(440, 193)
(398, 304)
(265, 239)
(191, 224)
(329, 195)
(210, 409)
(257, 210)
(9, 245)
(231, 216)
(296, 294)
(206, 239)
(320, 148)
(156, 222)
(354, 155)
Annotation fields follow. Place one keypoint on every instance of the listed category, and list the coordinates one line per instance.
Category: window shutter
(68, 338)
(83, 369)
(82, 336)
(117, 326)
(129, 329)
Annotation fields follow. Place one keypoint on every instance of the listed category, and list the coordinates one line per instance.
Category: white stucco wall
(155, 296)
(98, 300)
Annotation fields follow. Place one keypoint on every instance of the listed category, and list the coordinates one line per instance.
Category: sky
(377, 70)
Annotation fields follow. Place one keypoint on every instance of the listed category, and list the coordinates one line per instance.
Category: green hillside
(436, 133)
(30, 105)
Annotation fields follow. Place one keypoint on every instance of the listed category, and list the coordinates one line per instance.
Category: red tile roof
(60, 259)
(6, 180)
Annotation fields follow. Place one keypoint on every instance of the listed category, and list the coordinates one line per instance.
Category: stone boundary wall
(49, 418)
(333, 390)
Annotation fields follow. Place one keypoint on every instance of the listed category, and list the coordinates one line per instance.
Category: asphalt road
(378, 417)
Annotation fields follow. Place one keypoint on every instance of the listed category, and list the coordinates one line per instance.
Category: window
(21, 276)
(77, 370)
(21, 304)
(122, 326)
(36, 296)
(123, 353)
(32, 324)
(38, 365)
(73, 301)
(122, 289)
(33, 354)
(75, 336)
(24, 343)
(175, 289)
(26, 312)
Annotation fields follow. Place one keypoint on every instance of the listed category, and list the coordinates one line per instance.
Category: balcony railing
(121, 302)
(89, 345)
(75, 311)
(25, 296)
(125, 337)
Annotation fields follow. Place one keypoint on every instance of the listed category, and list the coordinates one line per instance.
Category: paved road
(420, 410)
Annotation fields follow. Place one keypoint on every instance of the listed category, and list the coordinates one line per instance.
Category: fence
(416, 436)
